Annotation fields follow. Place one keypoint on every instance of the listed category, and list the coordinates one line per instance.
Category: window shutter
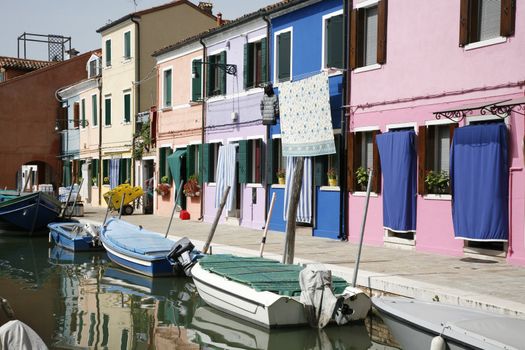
(382, 11)
(320, 169)
(270, 162)
(452, 128)
(247, 68)
(421, 148)
(284, 40)
(508, 17)
(162, 162)
(94, 113)
(376, 177)
(105, 168)
(200, 150)
(127, 108)
(122, 171)
(196, 80)
(463, 23)
(334, 53)
(353, 38)
(83, 113)
(76, 114)
(108, 52)
(222, 83)
(209, 68)
(350, 179)
(190, 162)
(264, 54)
(243, 161)
(206, 168)
(108, 111)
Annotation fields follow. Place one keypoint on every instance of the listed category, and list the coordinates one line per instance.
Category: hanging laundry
(114, 166)
(306, 121)
(269, 106)
(226, 165)
(304, 208)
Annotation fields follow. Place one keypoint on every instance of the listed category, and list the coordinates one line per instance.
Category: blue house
(306, 40)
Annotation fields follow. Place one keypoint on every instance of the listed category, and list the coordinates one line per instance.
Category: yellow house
(129, 90)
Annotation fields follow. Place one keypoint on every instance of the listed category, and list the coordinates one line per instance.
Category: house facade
(431, 105)
(305, 41)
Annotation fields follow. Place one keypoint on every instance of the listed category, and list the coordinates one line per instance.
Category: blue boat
(145, 252)
(61, 256)
(28, 213)
(75, 236)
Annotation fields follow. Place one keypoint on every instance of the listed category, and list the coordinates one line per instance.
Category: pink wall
(426, 71)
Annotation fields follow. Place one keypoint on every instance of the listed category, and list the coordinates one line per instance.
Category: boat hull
(266, 309)
(63, 234)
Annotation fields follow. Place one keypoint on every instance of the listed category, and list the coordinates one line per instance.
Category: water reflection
(84, 301)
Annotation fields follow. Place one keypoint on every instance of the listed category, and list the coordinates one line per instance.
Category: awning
(175, 163)
(457, 113)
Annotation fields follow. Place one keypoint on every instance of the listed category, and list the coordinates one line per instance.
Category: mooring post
(216, 220)
(265, 232)
(358, 259)
(121, 205)
(179, 190)
(297, 181)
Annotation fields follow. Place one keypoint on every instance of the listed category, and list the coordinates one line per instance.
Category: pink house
(437, 68)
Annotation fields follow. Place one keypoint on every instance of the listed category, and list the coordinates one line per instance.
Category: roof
(22, 63)
(151, 10)
(229, 24)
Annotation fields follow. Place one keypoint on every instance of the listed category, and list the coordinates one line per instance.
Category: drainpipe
(203, 116)
(100, 140)
(137, 97)
(268, 186)
(343, 197)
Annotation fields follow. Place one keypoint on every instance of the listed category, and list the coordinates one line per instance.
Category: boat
(145, 252)
(60, 256)
(266, 292)
(419, 325)
(75, 236)
(28, 213)
(15, 334)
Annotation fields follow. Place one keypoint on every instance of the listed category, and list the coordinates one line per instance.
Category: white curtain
(225, 175)
(304, 209)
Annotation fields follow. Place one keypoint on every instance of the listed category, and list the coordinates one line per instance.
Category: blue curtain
(398, 165)
(479, 178)
(114, 165)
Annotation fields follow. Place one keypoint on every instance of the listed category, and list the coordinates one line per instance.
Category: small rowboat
(75, 236)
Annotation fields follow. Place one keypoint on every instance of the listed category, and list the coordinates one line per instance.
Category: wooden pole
(76, 198)
(358, 259)
(265, 232)
(107, 209)
(63, 214)
(297, 181)
(121, 205)
(216, 220)
(179, 190)
(29, 173)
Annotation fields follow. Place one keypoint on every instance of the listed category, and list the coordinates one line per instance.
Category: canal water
(81, 300)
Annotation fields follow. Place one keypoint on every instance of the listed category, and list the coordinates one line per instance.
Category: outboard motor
(180, 256)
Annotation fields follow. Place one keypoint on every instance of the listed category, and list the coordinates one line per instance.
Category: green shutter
(264, 54)
(127, 108)
(127, 45)
(247, 66)
(196, 81)
(108, 53)
(94, 110)
(167, 170)
(167, 88)
(162, 162)
(190, 161)
(244, 166)
(334, 49)
(209, 69)
(284, 46)
(105, 168)
(121, 171)
(200, 149)
(320, 169)
(222, 73)
(108, 111)
(206, 165)
(83, 113)
(270, 162)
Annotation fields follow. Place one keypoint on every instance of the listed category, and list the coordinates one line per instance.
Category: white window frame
(324, 46)
(164, 107)
(374, 66)
(124, 93)
(275, 46)
(127, 59)
(402, 126)
(485, 118)
(191, 79)
(108, 97)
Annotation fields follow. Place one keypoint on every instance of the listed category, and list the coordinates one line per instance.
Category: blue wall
(307, 54)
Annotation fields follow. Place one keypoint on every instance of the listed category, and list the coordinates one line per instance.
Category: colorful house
(306, 40)
(439, 117)
(128, 90)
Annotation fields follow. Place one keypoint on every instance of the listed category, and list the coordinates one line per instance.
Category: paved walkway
(494, 286)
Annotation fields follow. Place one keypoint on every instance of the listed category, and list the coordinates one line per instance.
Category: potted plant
(94, 181)
(163, 189)
(281, 174)
(192, 188)
(332, 177)
(164, 180)
(437, 182)
(361, 177)
(106, 180)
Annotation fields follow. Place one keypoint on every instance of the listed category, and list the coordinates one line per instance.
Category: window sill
(216, 98)
(212, 184)
(484, 43)
(367, 68)
(438, 197)
(125, 123)
(329, 188)
(108, 67)
(278, 186)
(94, 127)
(254, 90)
(107, 126)
(332, 72)
(363, 194)
(166, 109)
(254, 185)
(126, 60)
(195, 103)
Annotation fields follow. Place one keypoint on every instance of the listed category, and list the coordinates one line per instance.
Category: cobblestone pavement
(493, 285)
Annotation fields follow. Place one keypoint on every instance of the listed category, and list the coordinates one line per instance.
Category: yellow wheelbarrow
(126, 194)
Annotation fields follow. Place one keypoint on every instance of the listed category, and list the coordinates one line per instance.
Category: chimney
(206, 6)
(220, 22)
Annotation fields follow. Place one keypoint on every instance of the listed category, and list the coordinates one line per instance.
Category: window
(255, 70)
(196, 80)
(250, 161)
(368, 35)
(127, 45)
(333, 44)
(164, 153)
(127, 107)
(76, 115)
(324, 164)
(210, 155)
(124, 170)
(83, 112)
(486, 19)
(95, 164)
(107, 110)
(108, 53)
(434, 155)
(105, 171)
(362, 156)
(94, 110)
(283, 56)
(167, 88)
(276, 161)
(216, 83)
(193, 155)
(93, 67)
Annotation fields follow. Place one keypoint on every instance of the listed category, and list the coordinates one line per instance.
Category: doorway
(147, 184)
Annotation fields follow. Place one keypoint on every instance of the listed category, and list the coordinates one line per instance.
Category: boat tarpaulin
(479, 179)
(304, 208)
(306, 120)
(114, 165)
(175, 164)
(226, 165)
(398, 165)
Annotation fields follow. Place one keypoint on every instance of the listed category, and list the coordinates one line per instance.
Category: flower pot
(281, 180)
(332, 182)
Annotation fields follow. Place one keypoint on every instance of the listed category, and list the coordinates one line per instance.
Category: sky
(79, 19)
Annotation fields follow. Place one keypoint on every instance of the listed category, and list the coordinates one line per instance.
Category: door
(147, 185)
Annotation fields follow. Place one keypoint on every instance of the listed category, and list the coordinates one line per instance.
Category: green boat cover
(262, 274)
